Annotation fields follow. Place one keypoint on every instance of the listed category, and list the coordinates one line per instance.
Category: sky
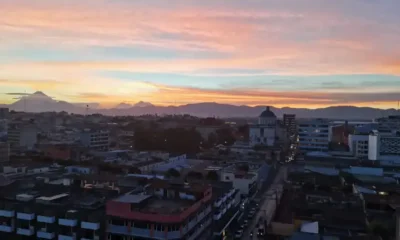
(297, 53)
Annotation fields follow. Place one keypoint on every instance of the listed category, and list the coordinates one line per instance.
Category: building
(264, 133)
(313, 135)
(359, 140)
(358, 145)
(4, 152)
(289, 121)
(97, 140)
(64, 152)
(51, 211)
(388, 124)
(226, 208)
(4, 145)
(22, 137)
(165, 210)
(245, 182)
(340, 133)
(4, 113)
(384, 146)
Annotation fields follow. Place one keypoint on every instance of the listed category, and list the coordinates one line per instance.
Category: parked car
(238, 234)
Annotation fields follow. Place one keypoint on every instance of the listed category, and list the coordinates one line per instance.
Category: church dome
(267, 113)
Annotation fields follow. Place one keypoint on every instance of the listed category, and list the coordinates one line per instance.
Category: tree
(173, 140)
(172, 172)
(212, 175)
(244, 131)
(225, 136)
(211, 140)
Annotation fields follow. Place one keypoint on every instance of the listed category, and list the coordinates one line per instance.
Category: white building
(384, 146)
(245, 183)
(358, 145)
(264, 133)
(95, 140)
(313, 135)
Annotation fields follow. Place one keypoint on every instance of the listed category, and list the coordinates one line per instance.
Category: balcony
(224, 211)
(68, 222)
(67, 237)
(117, 229)
(5, 228)
(94, 238)
(218, 203)
(26, 232)
(45, 235)
(217, 216)
(90, 225)
(7, 213)
(174, 235)
(45, 219)
(232, 192)
(26, 216)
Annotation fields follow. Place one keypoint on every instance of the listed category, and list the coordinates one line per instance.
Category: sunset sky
(297, 53)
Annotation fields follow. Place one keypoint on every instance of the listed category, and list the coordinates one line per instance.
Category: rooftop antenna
(24, 101)
(87, 109)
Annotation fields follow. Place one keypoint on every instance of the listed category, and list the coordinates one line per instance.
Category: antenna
(87, 109)
(24, 101)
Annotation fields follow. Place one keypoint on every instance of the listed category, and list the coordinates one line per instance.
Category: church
(265, 132)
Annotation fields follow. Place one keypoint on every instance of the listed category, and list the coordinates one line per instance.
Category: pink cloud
(305, 42)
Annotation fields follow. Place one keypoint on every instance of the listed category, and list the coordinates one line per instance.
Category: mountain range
(40, 102)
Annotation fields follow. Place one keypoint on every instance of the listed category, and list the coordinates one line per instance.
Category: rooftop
(267, 113)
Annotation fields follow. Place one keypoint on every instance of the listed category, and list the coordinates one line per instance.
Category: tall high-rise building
(289, 120)
(4, 113)
(313, 135)
(4, 145)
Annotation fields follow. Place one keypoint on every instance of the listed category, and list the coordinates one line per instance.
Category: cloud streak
(297, 39)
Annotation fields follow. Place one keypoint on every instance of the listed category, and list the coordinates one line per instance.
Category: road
(268, 205)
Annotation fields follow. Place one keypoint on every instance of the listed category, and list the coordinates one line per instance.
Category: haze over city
(293, 53)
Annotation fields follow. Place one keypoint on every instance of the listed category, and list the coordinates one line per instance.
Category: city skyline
(282, 53)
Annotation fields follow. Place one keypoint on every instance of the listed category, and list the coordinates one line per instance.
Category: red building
(164, 210)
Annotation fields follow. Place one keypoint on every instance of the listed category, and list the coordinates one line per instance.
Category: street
(267, 206)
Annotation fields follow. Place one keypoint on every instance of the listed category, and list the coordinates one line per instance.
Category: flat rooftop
(166, 206)
(156, 205)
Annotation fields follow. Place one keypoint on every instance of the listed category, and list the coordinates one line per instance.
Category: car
(238, 234)
(251, 234)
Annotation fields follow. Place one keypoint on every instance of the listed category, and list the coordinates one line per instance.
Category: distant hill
(40, 102)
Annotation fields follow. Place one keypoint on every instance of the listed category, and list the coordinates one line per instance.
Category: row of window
(313, 126)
